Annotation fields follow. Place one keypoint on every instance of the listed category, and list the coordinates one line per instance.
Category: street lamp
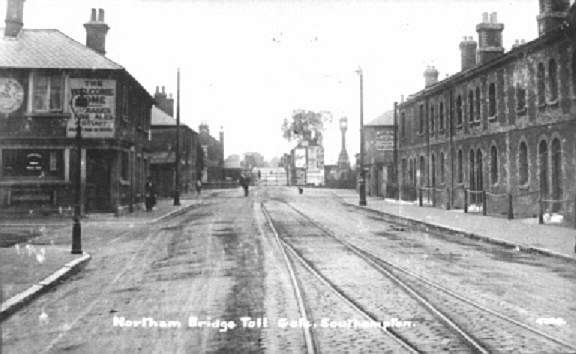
(362, 182)
(80, 101)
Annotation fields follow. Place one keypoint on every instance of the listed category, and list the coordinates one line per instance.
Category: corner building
(504, 124)
(41, 73)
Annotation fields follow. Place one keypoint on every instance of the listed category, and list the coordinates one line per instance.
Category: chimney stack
(163, 102)
(14, 18)
(430, 76)
(468, 53)
(552, 15)
(222, 135)
(489, 38)
(96, 31)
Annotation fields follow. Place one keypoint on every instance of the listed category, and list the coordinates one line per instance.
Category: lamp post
(78, 101)
(177, 157)
(362, 182)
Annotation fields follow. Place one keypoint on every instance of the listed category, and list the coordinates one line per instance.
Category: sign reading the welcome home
(97, 120)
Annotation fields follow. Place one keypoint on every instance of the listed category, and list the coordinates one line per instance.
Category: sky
(246, 65)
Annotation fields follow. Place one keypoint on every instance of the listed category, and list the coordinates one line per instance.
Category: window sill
(552, 103)
(524, 188)
(521, 111)
(458, 126)
(542, 105)
(475, 123)
(493, 118)
(7, 182)
(124, 182)
(48, 115)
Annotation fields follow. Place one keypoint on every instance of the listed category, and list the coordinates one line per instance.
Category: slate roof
(50, 49)
(386, 118)
(159, 117)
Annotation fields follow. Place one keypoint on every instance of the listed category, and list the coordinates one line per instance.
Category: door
(98, 167)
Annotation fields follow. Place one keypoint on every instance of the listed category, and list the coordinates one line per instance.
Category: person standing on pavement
(150, 189)
(198, 187)
(244, 182)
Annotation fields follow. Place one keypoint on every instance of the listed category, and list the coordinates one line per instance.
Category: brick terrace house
(504, 124)
(41, 72)
(162, 146)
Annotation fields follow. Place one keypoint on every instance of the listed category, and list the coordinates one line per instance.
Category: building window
(421, 120)
(404, 172)
(553, 77)
(48, 93)
(432, 118)
(460, 167)
(478, 103)
(125, 166)
(520, 98)
(422, 170)
(492, 100)
(556, 175)
(441, 116)
(32, 163)
(433, 170)
(459, 110)
(471, 106)
(494, 165)
(523, 164)
(402, 124)
(541, 85)
(442, 168)
(574, 73)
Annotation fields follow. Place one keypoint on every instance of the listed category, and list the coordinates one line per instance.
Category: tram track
(479, 330)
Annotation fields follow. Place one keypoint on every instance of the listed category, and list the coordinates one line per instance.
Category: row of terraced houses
(505, 124)
(127, 135)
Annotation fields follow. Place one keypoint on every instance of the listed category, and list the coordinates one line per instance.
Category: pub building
(43, 72)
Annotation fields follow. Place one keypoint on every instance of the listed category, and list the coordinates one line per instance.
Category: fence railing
(495, 203)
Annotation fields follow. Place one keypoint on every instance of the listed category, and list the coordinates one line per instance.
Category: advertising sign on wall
(98, 118)
(300, 157)
(384, 140)
(11, 95)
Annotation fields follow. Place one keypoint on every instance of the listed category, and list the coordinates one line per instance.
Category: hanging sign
(98, 119)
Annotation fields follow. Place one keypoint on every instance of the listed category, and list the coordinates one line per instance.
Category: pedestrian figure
(150, 189)
(245, 182)
(198, 187)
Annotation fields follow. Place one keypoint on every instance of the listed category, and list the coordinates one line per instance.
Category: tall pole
(78, 101)
(362, 184)
(395, 173)
(177, 162)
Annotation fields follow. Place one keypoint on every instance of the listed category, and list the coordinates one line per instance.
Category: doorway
(98, 178)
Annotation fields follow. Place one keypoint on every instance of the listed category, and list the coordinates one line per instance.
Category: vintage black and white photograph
(288, 176)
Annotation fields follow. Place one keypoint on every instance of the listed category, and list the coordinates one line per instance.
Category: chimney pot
(100, 15)
(93, 16)
(163, 90)
(157, 89)
(485, 17)
(494, 17)
(14, 18)
(96, 32)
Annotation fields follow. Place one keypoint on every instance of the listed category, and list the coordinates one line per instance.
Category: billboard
(98, 119)
(300, 157)
(384, 140)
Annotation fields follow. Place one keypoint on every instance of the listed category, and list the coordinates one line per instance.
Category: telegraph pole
(177, 161)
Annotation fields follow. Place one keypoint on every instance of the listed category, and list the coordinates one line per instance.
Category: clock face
(11, 95)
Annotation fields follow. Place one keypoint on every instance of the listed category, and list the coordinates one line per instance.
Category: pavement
(523, 234)
(31, 262)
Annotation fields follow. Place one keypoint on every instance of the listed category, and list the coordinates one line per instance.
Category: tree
(307, 125)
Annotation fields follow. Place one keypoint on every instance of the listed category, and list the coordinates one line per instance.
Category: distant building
(162, 148)
(213, 150)
(41, 74)
(378, 153)
(503, 124)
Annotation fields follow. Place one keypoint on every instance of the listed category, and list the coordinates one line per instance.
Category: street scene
(252, 177)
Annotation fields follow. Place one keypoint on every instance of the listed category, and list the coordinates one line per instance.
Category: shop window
(553, 78)
(441, 116)
(422, 170)
(523, 164)
(459, 110)
(494, 165)
(48, 93)
(433, 170)
(32, 163)
(541, 85)
(492, 100)
(460, 167)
